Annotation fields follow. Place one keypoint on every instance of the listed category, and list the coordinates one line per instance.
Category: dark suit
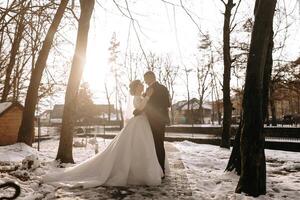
(157, 113)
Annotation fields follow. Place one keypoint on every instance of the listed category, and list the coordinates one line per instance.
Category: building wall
(285, 107)
(10, 122)
(180, 116)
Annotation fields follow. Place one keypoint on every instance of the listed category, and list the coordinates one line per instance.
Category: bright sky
(165, 30)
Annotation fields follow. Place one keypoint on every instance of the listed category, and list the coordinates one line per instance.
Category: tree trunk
(26, 129)
(13, 54)
(108, 102)
(121, 115)
(64, 153)
(267, 78)
(235, 156)
(212, 106)
(298, 102)
(272, 105)
(253, 164)
(227, 105)
(200, 110)
(117, 110)
(15, 82)
(188, 112)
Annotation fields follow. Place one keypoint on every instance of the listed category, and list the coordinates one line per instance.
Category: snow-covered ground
(29, 181)
(204, 167)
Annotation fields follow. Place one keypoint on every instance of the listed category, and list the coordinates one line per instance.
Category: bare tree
(204, 69)
(133, 65)
(108, 96)
(34, 15)
(115, 68)
(216, 96)
(26, 128)
(155, 62)
(64, 153)
(202, 77)
(14, 51)
(187, 82)
(170, 73)
(253, 165)
(227, 105)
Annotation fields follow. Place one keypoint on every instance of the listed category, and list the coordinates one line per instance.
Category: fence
(279, 133)
(280, 138)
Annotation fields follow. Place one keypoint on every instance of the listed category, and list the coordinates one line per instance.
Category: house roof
(194, 104)
(179, 104)
(57, 111)
(5, 106)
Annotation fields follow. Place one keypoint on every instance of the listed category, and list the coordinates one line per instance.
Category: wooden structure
(10, 121)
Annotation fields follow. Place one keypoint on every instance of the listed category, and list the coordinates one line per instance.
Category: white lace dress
(130, 159)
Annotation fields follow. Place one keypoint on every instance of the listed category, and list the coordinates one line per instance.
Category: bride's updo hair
(133, 85)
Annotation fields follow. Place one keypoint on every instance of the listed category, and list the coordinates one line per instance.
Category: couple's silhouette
(136, 156)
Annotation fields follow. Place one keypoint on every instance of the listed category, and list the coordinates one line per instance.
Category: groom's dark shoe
(164, 176)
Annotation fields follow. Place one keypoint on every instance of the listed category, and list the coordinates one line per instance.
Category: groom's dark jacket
(158, 104)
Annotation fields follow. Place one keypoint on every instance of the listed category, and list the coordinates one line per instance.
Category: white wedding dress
(130, 159)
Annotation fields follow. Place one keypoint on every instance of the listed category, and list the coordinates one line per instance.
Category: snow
(278, 139)
(16, 152)
(29, 180)
(4, 106)
(56, 120)
(204, 167)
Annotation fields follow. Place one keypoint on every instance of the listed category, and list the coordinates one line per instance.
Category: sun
(96, 71)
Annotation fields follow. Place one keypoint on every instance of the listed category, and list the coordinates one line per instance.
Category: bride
(130, 159)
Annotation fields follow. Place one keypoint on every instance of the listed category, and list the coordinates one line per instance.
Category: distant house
(10, 121)
(100, 111)
(45, 117)
(56, 114)
(184, 113)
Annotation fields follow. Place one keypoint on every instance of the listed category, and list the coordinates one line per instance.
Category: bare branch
(223, 2)
(136, 33)
(234, 15)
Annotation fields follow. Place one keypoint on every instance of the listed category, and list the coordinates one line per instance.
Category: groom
(157, 112)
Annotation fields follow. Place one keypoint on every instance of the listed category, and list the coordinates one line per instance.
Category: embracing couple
(136, 156)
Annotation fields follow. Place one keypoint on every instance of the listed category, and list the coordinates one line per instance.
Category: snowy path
(197, 172)
(205, 166)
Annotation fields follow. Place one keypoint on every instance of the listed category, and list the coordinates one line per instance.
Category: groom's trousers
(158, 131)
